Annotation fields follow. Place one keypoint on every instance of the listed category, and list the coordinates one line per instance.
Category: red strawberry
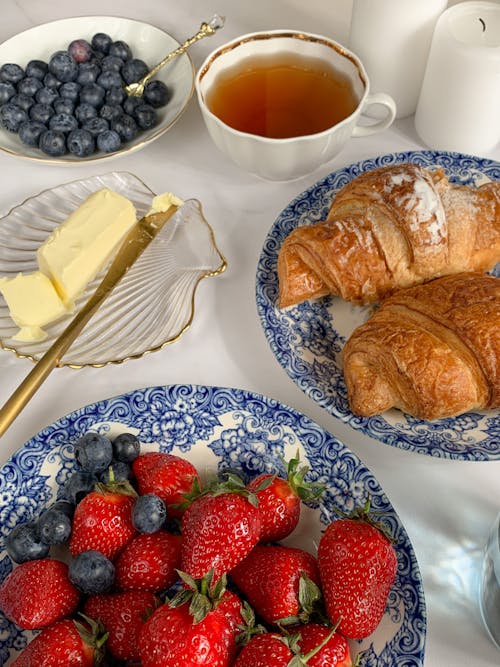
(281, 583)
(333, 651)
(123, 615)
(38, 593)
(167, 476)
(280, 500)
(149, 562)
(219, 530)
(266, 650)
(103, 520)
(66, 643)
(357, 565)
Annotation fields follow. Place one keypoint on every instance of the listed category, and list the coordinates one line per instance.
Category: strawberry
(38, 593)
(149, 562)
(123, 615)
(281, 583)
(266, 650)
(219, 529)
(320, 648)
(103, 520)
(280, 499)
(66, 643)
(357, 565)
(191, 630)
(167, 476)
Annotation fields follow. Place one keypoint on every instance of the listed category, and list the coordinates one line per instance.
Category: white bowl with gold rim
(288, 158)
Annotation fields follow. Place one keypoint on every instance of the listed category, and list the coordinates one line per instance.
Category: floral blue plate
(217, 428)
(307, 339)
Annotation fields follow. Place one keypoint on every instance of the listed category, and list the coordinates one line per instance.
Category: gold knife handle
(131, 248)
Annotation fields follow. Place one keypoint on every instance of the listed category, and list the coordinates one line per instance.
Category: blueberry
(80, 50)
(88, 73)
(110, 112)
(37, 68)
(133, 70)
(54, 526)
(157, 94)
(91, 572)
(148, 513)
(115, 95)
(53, 143)
(120, 49)
(131, 104)
(101, 42)
(70, 90)
(46, 95)
(51, 81)
(64, 106)
(80, 484)
(41, 112)
(109, 141)
(63, 122)
(22, 101)
(65, 507)
(126, 447)
(96, 126)
(85, 112)
(120, 470)
(30, 131)
(11, 116)
(29, 85)
(11, 73)
(93, 452)
(80, 142)
(145, 116)
(7, 90)
(62, 66)
(110, 79)
(23, 543)
(126, 127)
(92, 94)
(112, 63)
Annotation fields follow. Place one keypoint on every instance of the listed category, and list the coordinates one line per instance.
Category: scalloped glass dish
(151, 306)
(307, 339)
(147, 42)
(216, 428)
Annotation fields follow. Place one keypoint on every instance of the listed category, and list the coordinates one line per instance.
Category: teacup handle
(386, 101)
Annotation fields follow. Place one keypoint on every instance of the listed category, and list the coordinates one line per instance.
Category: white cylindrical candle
(392, 38)
(459, 104)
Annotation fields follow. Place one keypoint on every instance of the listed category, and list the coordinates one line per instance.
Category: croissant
(432, 350)
(391, 228)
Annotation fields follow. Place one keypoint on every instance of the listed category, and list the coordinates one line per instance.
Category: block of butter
(77, 250)
(33, 302)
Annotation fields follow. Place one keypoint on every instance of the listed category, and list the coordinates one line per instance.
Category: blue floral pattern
(222, 428)
(307, 339)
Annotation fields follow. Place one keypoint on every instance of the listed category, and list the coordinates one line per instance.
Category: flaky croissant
(432, 351)
(391, 228)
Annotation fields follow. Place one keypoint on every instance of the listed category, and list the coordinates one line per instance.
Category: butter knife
(134, 244)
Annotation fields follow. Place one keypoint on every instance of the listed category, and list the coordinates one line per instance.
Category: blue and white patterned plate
(307, 339)
(217, 428)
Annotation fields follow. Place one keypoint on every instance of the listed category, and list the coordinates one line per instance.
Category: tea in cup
(282, 103)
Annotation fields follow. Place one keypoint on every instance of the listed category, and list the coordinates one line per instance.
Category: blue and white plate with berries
(67, 545)
(62, 97)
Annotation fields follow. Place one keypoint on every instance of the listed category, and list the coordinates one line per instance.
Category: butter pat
(33, 302)
(80, 247)
(163, 202)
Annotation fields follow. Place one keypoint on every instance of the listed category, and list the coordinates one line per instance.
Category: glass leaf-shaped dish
(154, 302)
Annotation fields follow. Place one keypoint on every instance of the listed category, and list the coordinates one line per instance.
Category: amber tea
(282, 96)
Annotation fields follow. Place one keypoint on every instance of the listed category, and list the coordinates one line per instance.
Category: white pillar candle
(459, 103)
(392, 39)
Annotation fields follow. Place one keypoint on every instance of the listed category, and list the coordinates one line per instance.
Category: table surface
(447, 507)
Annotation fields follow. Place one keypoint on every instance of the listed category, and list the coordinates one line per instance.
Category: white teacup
(282, 159)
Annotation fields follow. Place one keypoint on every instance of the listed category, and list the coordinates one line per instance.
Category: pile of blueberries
(76, 103)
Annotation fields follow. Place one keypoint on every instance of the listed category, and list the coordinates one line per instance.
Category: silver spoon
(206, 30)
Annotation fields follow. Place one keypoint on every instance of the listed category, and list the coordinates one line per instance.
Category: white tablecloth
(446, 506)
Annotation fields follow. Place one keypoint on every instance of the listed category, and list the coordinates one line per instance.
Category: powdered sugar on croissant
(391, 228)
